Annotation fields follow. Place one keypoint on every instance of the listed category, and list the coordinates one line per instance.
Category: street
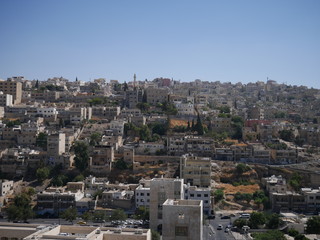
(211, 232)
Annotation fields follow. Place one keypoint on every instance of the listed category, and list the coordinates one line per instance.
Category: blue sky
(227, 40)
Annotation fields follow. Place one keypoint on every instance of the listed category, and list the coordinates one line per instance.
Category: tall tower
(134, 81)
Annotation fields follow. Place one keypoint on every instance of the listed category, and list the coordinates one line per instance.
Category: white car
(220, 227)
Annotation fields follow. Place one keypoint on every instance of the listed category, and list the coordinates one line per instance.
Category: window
(181, 231)
(198, 195)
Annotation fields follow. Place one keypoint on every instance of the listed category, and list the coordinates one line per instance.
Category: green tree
(279, 115)
(293, 232)
(99, 216)
(218, 195)
(59, 180)
(155, 235)
(301, 237)
(82, 155)
(95, 138)
(118, 214)
(145, 133)
(31, 191)
(256, 219)
(20, 209)
(295, 181)
(240, 222)
(42, 174)
(270, 235)
(62, 123)
(69, 214)
(87, 216)
(242, 168)
(98, 194)
(313, 225)
(199, 127)
(78, 178)
(169, 108)
(287, 135)
(224, 109)
(41, 140)
(125, 86)
(159, 128)
(273, 221)
(121, 164)
(188, 126)
(142, 213)
(247, 197)
(37, 84)
(143, 106)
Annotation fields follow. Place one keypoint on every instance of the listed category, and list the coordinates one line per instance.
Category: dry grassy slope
(178, 122)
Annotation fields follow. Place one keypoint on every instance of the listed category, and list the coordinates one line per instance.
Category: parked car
(225, 217)
(227, 230)
(81, 223)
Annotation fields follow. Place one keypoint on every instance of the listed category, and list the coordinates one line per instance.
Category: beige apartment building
(101, 160)
(195, 170)
(182, 219)
(56, 144)
(162, 189)
(157, 95)
(13, 88)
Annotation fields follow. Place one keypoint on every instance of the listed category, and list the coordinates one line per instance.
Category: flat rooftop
(183, 202)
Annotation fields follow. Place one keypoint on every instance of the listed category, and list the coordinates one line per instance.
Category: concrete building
(132, 97)
(6, 100)
(56, 145)
(118, 199)
(56, 200)
(156, 95)
(13, 162)
(275, 184)
(101, 160)
(6, 187)
(195, 170)
(201, 194)
(185, 109)
(13, 88)
(72, 232)
(200, 146)
(142, 196)
(117, 126)
(182, 219)
(162, 189)
(47, 112)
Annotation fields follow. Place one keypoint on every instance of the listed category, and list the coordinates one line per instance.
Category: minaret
(134, 81)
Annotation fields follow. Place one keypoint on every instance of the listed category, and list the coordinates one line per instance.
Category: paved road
(220, 234)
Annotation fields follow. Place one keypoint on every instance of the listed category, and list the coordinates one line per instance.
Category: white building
(201, 194)
(142, 196)
(117, 126)
(185, 108)
(47, 112)
(5, 187)
(6, 99)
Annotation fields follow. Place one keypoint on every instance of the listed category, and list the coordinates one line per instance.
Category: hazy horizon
(235, 41)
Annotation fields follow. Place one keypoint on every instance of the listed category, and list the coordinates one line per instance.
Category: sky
(227, 40)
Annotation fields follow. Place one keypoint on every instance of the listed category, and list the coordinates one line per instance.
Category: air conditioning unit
(118, 230)
(138, 231)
